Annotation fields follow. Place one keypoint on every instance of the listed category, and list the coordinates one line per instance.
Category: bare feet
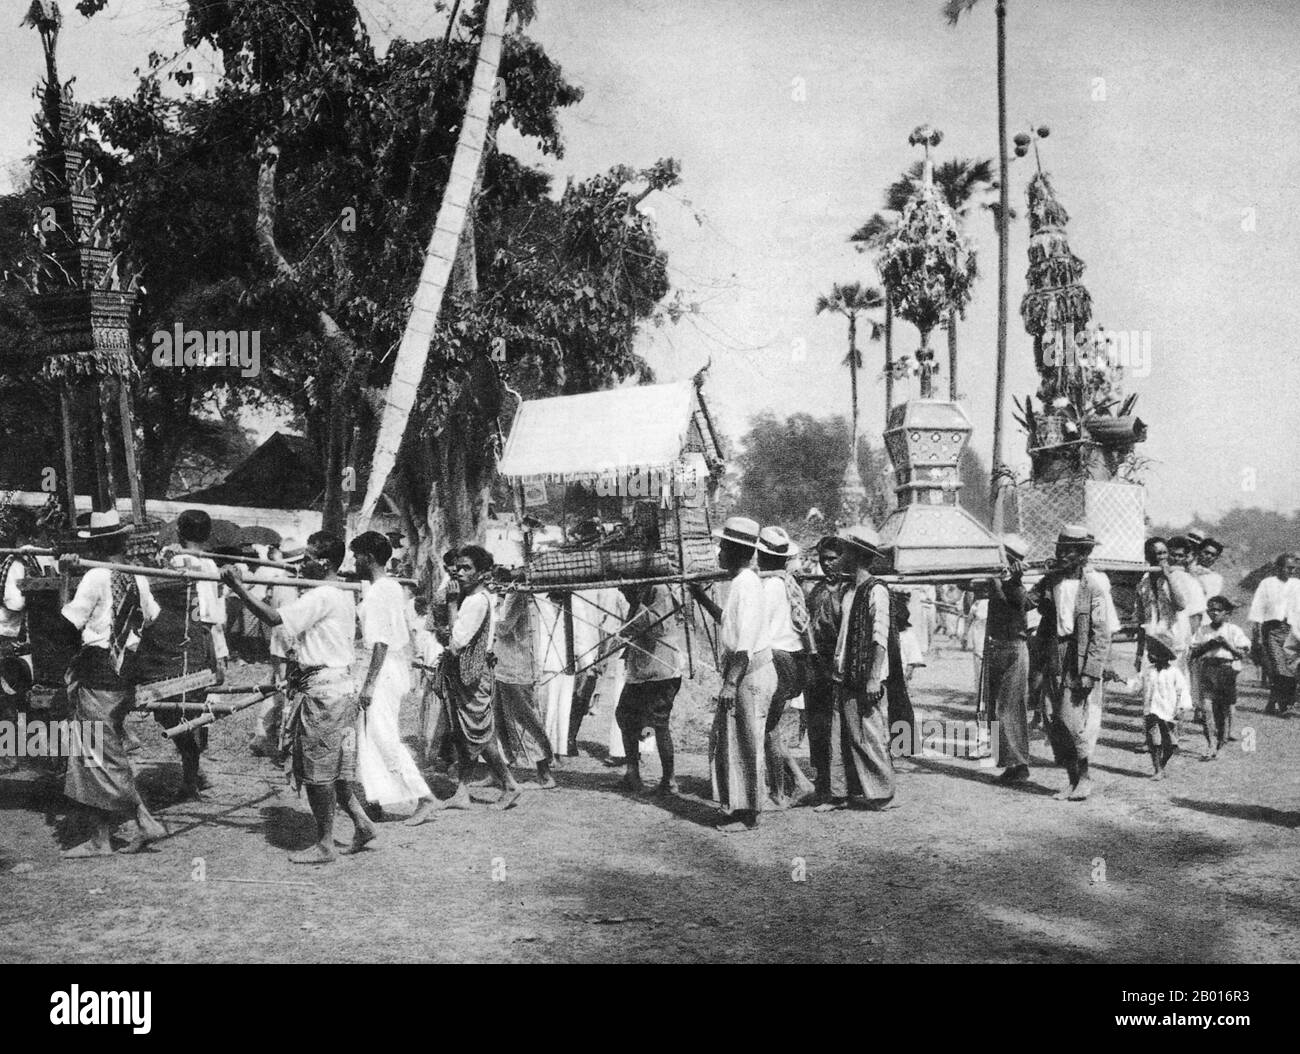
(361, 838)
(424, 812)
(317, 854)
(508, 800)
(1158, 775)
(459, 800)
(1064, 793)
(736, 827)
(87, 850)
(1081, 790)
(631, 784)
(667, 788)
(833, 805)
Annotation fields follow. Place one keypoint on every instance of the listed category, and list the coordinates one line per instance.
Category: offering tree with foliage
(927, 265)
(1083, 425)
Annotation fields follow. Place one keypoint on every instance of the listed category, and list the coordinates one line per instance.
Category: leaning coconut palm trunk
(413, 352)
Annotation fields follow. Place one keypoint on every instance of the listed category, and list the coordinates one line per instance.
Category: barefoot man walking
(321, 714)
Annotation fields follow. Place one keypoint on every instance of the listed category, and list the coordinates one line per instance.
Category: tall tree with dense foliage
(296, 199)
(790, 467)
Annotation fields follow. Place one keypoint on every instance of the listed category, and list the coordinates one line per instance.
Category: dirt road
(1198, 868)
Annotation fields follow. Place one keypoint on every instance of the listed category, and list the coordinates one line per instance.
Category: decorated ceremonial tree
(927, 265)
(1082, 425)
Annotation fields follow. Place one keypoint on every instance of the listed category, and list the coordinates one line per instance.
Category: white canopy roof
(584, 436)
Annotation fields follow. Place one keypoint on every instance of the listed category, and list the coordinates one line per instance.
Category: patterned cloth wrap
(318, 733)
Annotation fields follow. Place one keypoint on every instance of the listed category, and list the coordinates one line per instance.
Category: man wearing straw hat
(748, 680)
(107, 612)
(787, 618)
(1078, 601)
(1006, 661)
(861, 769)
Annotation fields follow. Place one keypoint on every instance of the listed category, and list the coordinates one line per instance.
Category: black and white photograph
(651, 481)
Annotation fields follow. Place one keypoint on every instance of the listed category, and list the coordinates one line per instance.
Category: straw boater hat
(104, 525)
(1015, 546)
(1162, 639)
(292, 550)
(1197, 538)
(739, 529)
(1213, 545)
(861, 537)
(1074, 536)
(775, 542)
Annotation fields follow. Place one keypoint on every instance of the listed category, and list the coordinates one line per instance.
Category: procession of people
(828, 642)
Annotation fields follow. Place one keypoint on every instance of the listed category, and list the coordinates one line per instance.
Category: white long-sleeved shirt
(780, 627)
(473, 610)
(1276, 601)
(1164, 692)
(744, 615)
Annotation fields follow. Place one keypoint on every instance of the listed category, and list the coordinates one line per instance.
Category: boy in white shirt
(1218, 648)
(1165, 695)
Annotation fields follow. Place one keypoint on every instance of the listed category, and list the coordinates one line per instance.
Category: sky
(1170, 145)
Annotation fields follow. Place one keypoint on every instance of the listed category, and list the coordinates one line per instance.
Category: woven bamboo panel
(1114, 512)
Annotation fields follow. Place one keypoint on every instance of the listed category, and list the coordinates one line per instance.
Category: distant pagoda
(84, 311)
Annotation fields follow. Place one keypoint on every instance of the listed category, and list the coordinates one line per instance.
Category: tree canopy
(295, 199)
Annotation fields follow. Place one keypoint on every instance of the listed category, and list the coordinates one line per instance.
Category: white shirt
(323, 626)
(1211, 581)
(91, 609)
(1066, 592)
(382, 612)
(879, 630)
(1164, 692)
(1188, 587)
(1229, 632)
(744, 615)
(473, 610)
(1276, 601)
(212, 611)
(780, 628)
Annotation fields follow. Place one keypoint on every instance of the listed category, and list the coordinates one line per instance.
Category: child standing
(1218, 648)
(1165, 693)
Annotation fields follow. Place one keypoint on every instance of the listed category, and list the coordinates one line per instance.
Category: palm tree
(953, 10)
(439, 257)
(871, 237)
(851, 300)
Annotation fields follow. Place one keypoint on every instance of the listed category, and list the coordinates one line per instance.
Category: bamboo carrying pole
(204, 576)
(212, 714)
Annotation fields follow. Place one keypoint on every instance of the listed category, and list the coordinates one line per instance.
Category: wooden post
(128, 447)
(104, 497)
(70, 488)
